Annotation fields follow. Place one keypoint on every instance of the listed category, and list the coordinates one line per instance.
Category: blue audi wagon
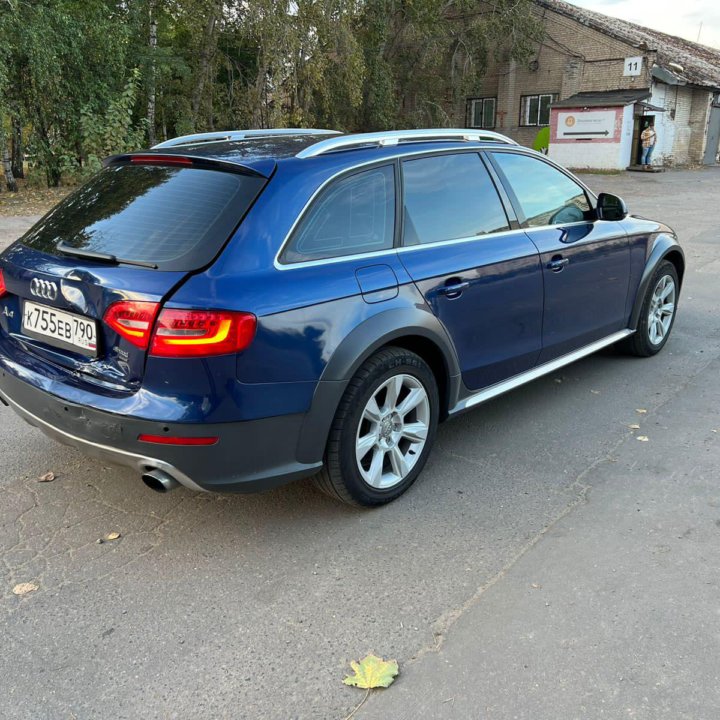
(232, 311)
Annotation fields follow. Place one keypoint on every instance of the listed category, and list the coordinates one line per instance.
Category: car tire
(657, 315)
(383, 430)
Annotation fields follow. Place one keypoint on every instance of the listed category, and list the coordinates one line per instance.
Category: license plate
(60, 328)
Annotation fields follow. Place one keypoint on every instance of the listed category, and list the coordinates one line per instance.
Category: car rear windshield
(176, 218)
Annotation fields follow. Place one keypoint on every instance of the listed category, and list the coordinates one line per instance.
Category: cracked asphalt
(545, 565)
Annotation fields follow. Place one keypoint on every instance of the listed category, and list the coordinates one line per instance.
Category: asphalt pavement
(547, 564)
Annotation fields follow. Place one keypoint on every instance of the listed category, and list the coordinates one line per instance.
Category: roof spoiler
(170, 159)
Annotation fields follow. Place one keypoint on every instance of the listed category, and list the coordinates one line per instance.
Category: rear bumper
(249, 456)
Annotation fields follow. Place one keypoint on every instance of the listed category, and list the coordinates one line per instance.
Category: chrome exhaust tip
(159, 481)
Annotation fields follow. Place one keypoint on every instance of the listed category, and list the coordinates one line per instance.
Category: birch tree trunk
(151, 76)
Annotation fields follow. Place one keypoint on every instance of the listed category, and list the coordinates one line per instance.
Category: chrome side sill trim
(529, 375)
(120, 457)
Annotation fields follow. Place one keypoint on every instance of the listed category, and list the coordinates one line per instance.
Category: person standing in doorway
(648, 137)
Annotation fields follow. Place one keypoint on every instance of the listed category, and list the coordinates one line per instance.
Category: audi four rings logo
(44, 289)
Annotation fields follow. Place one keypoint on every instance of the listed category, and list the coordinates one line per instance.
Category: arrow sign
(588, 132)
(587, 124)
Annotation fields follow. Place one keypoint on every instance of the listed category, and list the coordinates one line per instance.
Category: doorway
(641, 123)
(712, 144)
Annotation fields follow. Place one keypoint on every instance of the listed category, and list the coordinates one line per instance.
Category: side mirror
(611, 207)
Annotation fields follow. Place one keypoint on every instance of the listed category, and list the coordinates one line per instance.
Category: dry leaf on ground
(25, 588)
(643, 438)
(31, 201)
(47, 477)
(372, 672)
(634, 426)
(112, 536)
(642, 411)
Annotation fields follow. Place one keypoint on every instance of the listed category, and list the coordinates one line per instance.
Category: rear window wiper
(101, 256)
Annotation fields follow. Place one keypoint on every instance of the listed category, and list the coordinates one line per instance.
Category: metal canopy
(609, 98)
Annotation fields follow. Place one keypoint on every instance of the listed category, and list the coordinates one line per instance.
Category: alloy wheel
(662, 310)
(392, 431)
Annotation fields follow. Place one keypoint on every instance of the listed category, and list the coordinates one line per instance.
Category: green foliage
(83, 77)
(112, 131)
(60, 55)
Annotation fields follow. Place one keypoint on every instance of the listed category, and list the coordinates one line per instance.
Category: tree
(87, 77)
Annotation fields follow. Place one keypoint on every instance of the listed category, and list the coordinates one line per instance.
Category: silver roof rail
(224, 135)
(394, 137)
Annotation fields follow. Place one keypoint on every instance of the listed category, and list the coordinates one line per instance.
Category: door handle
(454, 290)
(557, 263)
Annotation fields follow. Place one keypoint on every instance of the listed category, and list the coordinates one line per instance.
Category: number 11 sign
(633, 65)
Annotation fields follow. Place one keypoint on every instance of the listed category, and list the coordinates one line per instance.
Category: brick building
(595, 82)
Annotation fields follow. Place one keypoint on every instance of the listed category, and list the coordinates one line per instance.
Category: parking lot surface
(547, 564)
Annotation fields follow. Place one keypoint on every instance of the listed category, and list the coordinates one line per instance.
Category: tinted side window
(546, 196)
(449, 197)
(356, 214)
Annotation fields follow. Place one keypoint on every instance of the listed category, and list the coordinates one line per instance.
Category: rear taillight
(199, 333)
(133, 320)
(3, 288)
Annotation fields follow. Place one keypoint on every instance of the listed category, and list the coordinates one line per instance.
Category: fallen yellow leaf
(634, 426)
(25, 588)
(372, 672)
(112, 536)
(643, 438)
(642, 411)
(47, 477)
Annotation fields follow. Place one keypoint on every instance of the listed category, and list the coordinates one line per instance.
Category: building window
(535, 110)
(482, 112)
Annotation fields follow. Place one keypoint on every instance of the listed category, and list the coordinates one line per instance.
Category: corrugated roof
(700, 64)
(608, 98)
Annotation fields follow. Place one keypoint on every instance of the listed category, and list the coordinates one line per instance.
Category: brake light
(173, 440)
(132, 320)
(200, 333)
(3, 287)
(160, 160)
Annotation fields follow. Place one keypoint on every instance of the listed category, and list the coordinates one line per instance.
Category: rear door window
(448, 197)
(546, 195)
(353, 215)
(175, 218)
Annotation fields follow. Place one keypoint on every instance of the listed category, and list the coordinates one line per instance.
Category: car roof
(260, 153)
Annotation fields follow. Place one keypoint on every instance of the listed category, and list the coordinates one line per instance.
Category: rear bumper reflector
(174, 440)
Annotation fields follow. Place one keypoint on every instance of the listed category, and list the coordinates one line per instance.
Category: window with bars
(482, 112)
(535, 110)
